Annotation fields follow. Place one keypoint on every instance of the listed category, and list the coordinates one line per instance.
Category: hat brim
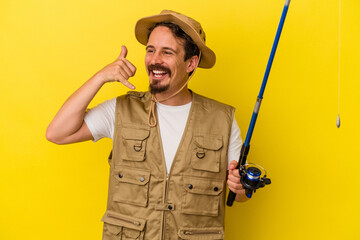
(142, 27)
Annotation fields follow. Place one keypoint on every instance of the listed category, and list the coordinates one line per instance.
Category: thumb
(232, 165)
(123, 52)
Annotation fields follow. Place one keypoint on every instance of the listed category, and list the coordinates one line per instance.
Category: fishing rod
(250, 174)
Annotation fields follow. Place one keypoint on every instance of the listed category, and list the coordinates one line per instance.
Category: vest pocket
(202, 196)
(132, 186)
(206, 153)
(201, 233)
(119, 226)
(134, 144)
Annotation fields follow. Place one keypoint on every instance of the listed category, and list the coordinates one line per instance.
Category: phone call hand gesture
(118, 71)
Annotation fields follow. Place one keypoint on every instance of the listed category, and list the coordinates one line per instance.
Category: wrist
(98, 79)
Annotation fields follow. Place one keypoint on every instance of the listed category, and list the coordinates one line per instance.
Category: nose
(156, 58)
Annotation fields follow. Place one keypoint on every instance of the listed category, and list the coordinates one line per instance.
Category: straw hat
(188, 25)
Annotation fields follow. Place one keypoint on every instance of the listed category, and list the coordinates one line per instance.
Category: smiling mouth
(158, 71)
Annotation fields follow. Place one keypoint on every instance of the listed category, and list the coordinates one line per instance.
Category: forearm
(70, 117)
(68, 124)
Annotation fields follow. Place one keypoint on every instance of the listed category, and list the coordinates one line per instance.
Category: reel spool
(251, 178)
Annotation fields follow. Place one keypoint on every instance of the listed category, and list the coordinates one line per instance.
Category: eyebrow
(164, 48)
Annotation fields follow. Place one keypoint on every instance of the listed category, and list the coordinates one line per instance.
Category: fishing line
(339, 60)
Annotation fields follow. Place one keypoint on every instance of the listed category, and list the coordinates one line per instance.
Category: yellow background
(49, 48)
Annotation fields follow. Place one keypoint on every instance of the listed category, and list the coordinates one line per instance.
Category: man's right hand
(68, 125)
(118, 71)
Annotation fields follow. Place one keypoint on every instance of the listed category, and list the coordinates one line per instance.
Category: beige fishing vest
(145, 202)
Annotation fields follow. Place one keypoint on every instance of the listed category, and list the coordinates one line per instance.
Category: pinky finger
(126, 83)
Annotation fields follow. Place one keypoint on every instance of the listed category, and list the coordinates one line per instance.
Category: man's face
(164, 61)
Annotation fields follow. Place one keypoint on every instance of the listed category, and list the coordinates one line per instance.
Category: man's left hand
(234, 184)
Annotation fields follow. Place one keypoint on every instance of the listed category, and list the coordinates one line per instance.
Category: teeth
(158, 72)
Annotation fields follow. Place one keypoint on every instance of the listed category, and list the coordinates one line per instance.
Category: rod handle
(231, 198)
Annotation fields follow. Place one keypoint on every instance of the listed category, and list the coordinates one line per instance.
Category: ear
(192, 63)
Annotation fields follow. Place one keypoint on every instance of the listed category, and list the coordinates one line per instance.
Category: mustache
(159, 67)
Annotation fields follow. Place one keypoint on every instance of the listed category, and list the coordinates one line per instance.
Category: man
(172, 147)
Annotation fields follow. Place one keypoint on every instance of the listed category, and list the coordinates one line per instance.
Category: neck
(181, 98)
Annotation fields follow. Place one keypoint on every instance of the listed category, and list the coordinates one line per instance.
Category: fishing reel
(252, 179)
(251, 176)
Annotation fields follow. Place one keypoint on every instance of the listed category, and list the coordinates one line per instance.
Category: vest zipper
(166, 185)
(188, 122)
(124, 220)
(196, 232)
(164, 201)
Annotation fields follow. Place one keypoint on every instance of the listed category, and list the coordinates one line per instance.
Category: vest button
(190, 186)
(142, 179)
(170, 207)
(120, 175)
(216, 189)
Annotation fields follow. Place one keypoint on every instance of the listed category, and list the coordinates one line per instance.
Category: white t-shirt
(172, 121)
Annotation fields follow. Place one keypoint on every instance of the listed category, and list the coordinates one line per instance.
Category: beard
(156, 88)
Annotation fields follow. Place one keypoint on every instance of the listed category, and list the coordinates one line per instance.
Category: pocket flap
(132, 175)
(201, 233)
(135, 134)
(203, 186)
(122, 220)
(208, 142)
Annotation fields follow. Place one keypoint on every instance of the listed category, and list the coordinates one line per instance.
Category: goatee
(155, 88)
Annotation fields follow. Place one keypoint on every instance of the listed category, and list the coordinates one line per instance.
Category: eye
(149, 50)
(167, 52)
